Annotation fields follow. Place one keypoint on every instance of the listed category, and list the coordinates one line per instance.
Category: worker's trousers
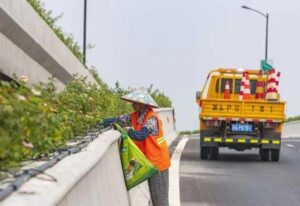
(159, 188)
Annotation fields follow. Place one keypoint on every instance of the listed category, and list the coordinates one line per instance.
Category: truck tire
(264, 154)
(214, 153)
(204, 153)
(275, 154)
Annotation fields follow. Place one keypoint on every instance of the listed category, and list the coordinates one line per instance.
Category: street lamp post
(84, 31)
(267, 26)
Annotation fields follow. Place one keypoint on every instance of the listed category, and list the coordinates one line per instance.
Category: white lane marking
(174, 194)
(290, 145)
(291, 140)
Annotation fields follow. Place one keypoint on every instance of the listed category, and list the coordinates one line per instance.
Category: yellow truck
(237, 123)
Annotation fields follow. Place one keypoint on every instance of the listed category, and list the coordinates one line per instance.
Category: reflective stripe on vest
(160, 140)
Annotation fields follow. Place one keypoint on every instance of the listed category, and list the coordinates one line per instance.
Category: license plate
(241, 127)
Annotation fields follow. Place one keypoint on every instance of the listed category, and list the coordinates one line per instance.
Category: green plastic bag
(136, 167)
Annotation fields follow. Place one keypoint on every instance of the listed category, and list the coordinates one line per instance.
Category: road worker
(145, 128)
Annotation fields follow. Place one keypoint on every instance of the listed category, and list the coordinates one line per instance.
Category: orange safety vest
(155, 147)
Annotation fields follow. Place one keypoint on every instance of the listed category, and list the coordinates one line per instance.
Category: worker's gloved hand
(108, 121)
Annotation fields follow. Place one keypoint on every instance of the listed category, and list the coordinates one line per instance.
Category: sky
(173, 44)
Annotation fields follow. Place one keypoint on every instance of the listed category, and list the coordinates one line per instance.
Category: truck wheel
(275, 154)
(264, 154)
(204, 153)
(214, 153)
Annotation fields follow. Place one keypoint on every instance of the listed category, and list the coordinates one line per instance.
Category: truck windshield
(237, 85)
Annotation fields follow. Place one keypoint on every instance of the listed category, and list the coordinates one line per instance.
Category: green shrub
(34, 123)
(295, 118)
(159, 97)
(29, 125)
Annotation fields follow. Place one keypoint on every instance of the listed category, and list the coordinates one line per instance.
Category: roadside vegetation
(36, 121)
(295, 118)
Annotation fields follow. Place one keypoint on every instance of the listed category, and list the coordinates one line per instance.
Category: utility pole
(84, 31)
(267, 27)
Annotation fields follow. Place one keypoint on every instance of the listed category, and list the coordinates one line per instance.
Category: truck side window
(253, 86)
(237, 85)
(217, 85)
(223, 83)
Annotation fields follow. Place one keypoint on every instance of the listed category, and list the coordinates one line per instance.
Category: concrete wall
(291, 129)
(167, 115)
(91, 177)
(28, 46)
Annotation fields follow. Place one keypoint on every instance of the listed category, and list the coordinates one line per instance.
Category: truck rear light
(271, 125)
(212, 123)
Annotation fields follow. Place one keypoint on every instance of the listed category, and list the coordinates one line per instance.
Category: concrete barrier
(167, 116)
(291, 129)
(28, 46)
(91, 177)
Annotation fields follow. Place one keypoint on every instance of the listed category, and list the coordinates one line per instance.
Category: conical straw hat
(140, 96)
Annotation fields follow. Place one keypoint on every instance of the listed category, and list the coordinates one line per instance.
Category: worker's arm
(139, 135)
(123, 120)
(150, 128)
(108, 121)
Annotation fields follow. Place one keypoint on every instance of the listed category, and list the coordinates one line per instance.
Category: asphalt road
(240, 178)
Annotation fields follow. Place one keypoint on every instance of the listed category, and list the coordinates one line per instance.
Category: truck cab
(227, 120)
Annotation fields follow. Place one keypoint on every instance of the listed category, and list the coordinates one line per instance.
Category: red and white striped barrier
(247, 92)
(260, 91)
(272, 93)
(242, 87)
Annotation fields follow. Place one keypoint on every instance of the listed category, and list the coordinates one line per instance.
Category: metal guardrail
(26, 174)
